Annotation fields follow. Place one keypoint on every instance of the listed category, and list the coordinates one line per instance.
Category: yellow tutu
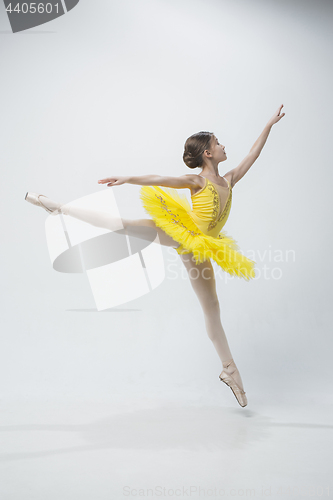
(173, 213)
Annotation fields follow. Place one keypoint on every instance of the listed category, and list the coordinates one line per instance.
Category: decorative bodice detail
(210, 208)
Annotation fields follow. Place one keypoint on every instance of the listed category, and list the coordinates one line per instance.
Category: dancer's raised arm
(185, 181)
(238, 172)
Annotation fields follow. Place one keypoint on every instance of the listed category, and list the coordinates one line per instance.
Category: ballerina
(194, 232)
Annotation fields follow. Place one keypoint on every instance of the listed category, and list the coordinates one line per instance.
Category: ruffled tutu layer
(170, 212)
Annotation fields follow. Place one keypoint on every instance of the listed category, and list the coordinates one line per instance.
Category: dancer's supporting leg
(202, 279)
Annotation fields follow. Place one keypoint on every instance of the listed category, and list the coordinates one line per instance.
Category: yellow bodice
(211, 207)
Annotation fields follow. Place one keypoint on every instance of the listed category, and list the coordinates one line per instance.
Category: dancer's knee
(127, 223)
(211, 306)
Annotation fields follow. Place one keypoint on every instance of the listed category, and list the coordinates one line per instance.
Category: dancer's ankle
(64, 209)
(227, 363)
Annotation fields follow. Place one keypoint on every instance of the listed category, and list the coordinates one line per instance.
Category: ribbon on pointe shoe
(56, 211)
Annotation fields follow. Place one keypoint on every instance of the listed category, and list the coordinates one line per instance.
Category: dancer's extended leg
(202, 279)
(106, 220)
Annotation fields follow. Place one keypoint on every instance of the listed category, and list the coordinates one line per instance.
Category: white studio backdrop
(116, 89)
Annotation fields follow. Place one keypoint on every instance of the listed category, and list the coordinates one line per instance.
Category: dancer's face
(217, 150)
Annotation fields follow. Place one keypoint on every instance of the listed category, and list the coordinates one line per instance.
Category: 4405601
(33, 8)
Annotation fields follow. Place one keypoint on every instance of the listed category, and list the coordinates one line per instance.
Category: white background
(116, 87)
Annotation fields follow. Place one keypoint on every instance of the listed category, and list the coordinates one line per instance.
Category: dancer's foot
(231, 376)
(52, 207)
(230, 368)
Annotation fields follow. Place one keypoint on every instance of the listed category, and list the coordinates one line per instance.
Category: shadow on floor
(172, 427)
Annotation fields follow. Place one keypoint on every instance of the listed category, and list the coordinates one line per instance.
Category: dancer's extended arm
(238, 172)
(184, 181)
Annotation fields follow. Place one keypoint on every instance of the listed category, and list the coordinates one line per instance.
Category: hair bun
(197, 143)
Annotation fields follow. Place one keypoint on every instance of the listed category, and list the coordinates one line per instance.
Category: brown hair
(194, 147)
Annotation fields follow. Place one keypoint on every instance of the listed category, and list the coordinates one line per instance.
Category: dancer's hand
(276, 117)
(113, 181)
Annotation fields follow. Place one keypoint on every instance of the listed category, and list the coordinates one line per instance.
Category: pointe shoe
(34, 199)
(228, 379)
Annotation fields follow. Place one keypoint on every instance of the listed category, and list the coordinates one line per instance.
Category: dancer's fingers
(112, 181)
(104, 181)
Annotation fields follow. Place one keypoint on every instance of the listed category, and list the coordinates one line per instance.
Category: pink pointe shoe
(35, 200)
(228, 379)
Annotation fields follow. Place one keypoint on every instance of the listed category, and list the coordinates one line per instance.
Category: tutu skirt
(172, 213)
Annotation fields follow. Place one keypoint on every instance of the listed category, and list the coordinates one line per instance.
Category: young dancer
(196, 233)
